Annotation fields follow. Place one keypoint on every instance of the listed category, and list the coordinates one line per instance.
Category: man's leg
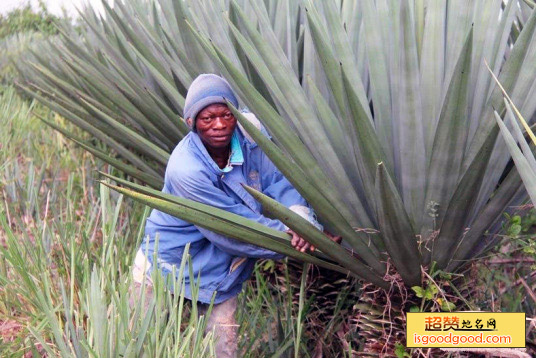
(222, 322)
(141, 282)
(136, 291)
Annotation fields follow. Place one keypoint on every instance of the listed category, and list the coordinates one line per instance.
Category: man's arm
(200, 188)
(277, 187)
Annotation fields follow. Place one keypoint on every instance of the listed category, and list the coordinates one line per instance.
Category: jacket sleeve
(277, 187)
(200, 188)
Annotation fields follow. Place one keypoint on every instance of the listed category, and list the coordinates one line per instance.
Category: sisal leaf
(396, 230)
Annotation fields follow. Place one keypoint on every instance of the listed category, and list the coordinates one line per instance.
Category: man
(209, 166)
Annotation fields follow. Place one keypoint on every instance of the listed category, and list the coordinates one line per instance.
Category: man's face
(215, 125)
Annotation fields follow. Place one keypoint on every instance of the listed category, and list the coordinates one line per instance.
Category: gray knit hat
(205, 90)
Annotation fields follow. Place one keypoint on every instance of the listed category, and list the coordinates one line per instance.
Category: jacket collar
(236, 157)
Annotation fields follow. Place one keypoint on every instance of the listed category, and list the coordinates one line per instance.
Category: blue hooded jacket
(217, 260)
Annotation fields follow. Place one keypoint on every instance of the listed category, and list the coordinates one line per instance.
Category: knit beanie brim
(205, 90)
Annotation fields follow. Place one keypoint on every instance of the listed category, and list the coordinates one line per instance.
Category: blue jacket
(191, 173)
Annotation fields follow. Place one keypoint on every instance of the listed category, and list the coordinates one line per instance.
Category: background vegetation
(20, 28)
(25, 19)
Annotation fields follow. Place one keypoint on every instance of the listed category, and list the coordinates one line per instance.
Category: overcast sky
(54, 6)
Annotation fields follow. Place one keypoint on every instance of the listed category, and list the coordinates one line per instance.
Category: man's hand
(333, 238)
(299, 243)
(302, 245)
